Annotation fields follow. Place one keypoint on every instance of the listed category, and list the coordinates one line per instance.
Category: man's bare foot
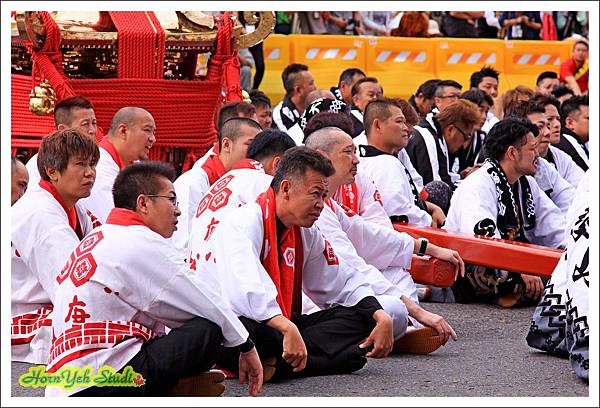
(207, 384)
(268, 368)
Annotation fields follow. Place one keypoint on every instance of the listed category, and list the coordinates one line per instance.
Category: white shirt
(137, 287)
(558, 189)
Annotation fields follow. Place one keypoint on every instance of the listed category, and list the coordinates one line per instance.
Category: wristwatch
(423, 246)
(247, 346)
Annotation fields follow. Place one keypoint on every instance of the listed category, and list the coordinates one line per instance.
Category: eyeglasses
(452, 96)
(172, 199)
(462, 132)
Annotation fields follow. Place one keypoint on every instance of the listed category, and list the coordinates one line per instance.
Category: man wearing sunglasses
(432, 148)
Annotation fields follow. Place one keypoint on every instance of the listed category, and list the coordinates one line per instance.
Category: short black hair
(64, 108)
(572, 106)
(562, 90)
(288, 76)
(233, 110)
(427, 88)
(379, 109)
(348, 74)
(522, 109)
(546, 100)
(477, 96)
(356, 87)
(510, 131)
(259, 99)
(297, 161)
(322, 120)
(544, 75)
(139, 178)
(485, 71)
(269, 143)
(439, 88)
(231, 128)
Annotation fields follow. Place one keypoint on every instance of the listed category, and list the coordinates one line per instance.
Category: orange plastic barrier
(400, 64)
(328, 55)
(525, 60)
(458, 58)
(276, 49)
(490, 252)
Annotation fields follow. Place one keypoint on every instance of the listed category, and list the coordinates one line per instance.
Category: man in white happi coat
(235, 136)
(560, 321)
(574, 139)
(73, 112)
(387, 134)
(298, 82)
(130, 138)
(267, 252)
(47, 223)
(547, 177)
(363, 91)
(125, 283)
(502, 200)
(379, 254)
(242, 184)
(563, 163)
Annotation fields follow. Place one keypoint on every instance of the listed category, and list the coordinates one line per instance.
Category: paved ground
(491, 359)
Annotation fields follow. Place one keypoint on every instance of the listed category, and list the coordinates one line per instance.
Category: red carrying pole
(490, 252)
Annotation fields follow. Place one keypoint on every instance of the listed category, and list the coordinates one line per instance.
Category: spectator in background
(412, 24)
(298, 83)
(364, 91)
(19, 179)
(563, 93)
(569, 23)
(446, 92)
(257, 55)
(460, 23)
(423, 99)
(262, 104)
(574, 72)
(575, 118)
(343, 22)
(515, 96)
(488, 25)
(546, 82)
(283, 22)
(521, 25)
(375, 22)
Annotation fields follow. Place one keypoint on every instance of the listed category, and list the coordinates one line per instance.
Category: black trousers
(259, 64)
(163, 361)
(331, 337)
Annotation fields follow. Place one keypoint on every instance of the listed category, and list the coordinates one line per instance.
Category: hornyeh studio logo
(69, 377)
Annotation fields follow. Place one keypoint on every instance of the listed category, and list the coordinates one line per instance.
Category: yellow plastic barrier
(458, 58)
(276, 49)
(328, 55)
(525, 60)
(400, 64)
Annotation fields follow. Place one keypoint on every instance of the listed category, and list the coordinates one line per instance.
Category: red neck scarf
(108, 145)
(213, 166)
(124, 217)
(283, 262)
(347, 195)
(71, 212)
(249, 164)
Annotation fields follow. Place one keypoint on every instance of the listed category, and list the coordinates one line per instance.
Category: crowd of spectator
(509, 25)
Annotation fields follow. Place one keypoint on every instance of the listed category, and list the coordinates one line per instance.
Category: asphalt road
(490, 359)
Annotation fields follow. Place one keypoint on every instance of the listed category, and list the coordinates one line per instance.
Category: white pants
(402, 279)
(397, 311)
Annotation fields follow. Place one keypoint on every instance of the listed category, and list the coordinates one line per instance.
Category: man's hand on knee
(381, 337)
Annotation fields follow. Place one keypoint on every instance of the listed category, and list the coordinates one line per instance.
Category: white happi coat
(566, 167)
(100, 201)
(476, 199)
(369, 203)
(248, 286)
(405, 159)
(389, 175)
(129, 282)
(190, 187)
(41, 241)
(236, 188)
(32, 170)
(371, 248)
(557, 188)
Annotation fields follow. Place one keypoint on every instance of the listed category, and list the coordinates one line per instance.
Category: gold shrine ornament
(42, 98)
